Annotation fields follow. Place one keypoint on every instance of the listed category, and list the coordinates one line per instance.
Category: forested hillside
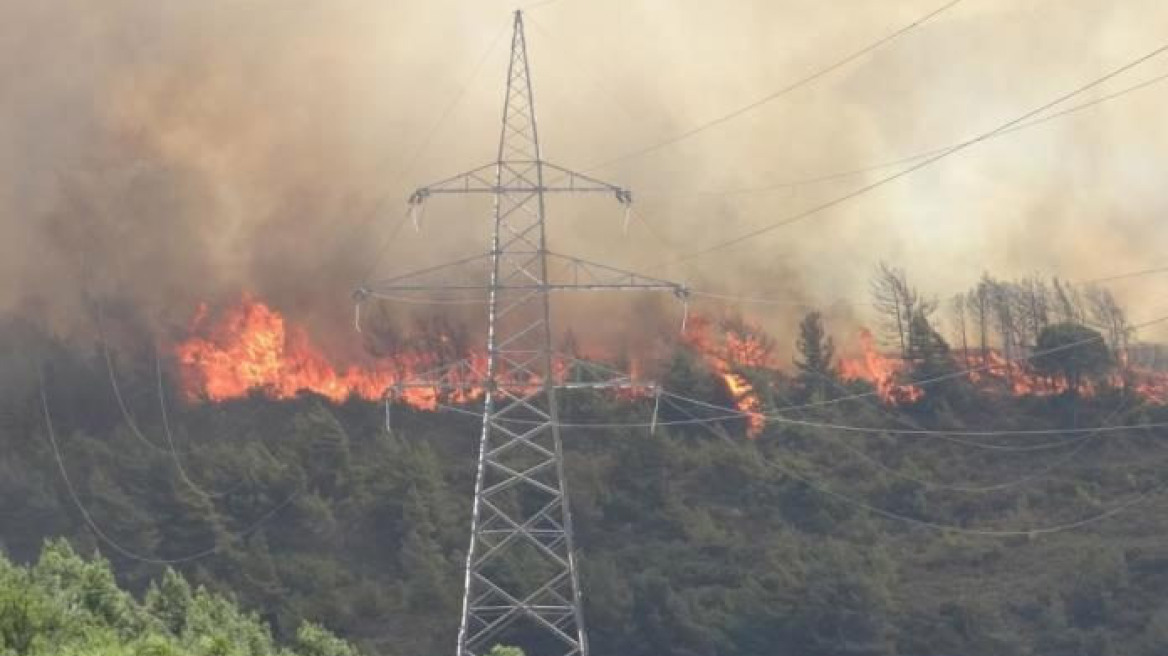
(804, 540)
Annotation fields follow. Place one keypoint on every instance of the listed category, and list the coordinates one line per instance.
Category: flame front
(741, 347)
(252, 347)
(879, 370)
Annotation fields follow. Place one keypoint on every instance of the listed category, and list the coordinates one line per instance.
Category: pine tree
(816, 359)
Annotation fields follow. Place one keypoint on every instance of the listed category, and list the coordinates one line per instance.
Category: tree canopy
(1072, 352)
(64, 605)
(695, 539)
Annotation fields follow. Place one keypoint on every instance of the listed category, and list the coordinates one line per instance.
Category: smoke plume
(177, 152)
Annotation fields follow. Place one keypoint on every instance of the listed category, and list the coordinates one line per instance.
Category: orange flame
(880, 371)
(252, 347)
(742, 346)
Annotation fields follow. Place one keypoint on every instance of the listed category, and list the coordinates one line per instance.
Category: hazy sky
(177, 151)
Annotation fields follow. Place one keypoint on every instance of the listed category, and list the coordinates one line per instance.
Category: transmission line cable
(848, 173)
(887, 514)
(952, 528)
(756, 300)
(96, 528)
(1131, 274)
(178, 464)
(417, 153)
(881, 466)
(131, 423)
(698, 129)
(1079, 444)
(946, 434)
(734, 413)
(171, 448)
(817, 209)
(985, 367)
(937, 526)
(581, 64)
(876, 167)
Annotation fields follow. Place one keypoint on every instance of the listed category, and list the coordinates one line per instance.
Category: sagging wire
(733, 415)
(171, 449)
(656, 409)
(881, 512)
(182, 470)
(131, 423)
(96, 528)
(1079, 445)
(952, 528)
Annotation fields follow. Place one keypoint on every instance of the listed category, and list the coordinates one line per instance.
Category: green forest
(269, 526)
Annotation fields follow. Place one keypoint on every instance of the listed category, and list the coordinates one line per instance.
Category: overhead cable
(804, 81)
(861, 191)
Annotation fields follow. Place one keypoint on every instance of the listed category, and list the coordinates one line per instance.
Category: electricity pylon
(522, 582)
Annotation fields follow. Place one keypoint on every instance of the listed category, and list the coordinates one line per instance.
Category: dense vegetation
(695, 540)
(66, 606)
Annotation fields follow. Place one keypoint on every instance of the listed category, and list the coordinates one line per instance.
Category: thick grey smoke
(180, 151)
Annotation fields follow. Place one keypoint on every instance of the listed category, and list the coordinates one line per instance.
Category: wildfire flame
(741, 346)
(879, 370)
(991, 371)
(251, 346)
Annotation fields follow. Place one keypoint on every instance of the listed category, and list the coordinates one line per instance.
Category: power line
(1131, 274)
(581, 64)
(1078, 443)
(178, 464)
(96, 528)
(454, 102)
(875, 167)
(132, 424)
(734, 413)
(121, 403)
(781, 92)
(915, 167)
(985, 367)
(847, 173)
(846, 428)
(851, 302)
(951, 528)
(418, 151)
(887, 514)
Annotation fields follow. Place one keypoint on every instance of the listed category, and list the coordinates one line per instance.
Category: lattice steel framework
(521, 565)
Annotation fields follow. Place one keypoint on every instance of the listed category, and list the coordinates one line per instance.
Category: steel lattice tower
(522, 577)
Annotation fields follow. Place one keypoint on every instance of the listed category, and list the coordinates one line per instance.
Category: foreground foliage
(66, 606)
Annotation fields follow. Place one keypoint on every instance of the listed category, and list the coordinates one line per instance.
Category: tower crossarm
(565, 273)
(520, 177)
